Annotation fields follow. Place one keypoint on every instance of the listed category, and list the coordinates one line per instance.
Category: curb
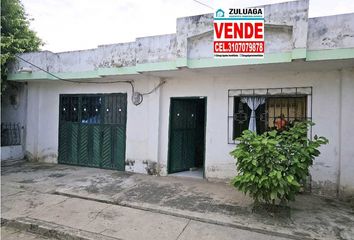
(300, 236)
(52, 230)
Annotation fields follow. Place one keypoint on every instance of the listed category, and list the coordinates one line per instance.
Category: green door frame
(205, 99)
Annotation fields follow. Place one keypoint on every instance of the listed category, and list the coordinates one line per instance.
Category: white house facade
(163, 104)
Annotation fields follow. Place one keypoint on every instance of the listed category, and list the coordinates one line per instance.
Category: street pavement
(106, 204)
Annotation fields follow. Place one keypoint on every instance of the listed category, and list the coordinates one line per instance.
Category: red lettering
(243, 30)
(238, 30)
(218, 30)
(228, 30)
(248, 30)
(258, 30)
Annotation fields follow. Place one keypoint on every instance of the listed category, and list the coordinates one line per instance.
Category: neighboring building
(13, 120)
(194, 105)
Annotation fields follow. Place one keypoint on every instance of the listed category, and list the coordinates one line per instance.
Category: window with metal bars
(93, 108)
(69, 109)
(10, 134)
(262, 110)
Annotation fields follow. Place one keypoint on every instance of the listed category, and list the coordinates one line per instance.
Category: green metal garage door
(92, 130)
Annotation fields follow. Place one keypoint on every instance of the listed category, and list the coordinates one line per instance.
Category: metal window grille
(281, 106)
(10, 134)
(93, 108)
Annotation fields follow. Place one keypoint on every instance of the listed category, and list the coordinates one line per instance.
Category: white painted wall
(326, 112)
(11, 152)
(219, 164)
(346, 173)
(147, 124)
(43, 119)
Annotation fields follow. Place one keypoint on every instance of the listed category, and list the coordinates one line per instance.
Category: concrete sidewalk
(159, 207)
(58, 216)
(8, 233)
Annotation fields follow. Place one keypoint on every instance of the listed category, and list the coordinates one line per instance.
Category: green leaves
(274, 165)
(290, 178)
(16, 37)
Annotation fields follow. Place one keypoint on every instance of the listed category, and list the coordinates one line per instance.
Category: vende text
(239, 33)
(238, 30)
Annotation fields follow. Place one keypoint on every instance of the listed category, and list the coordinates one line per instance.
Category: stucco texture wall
(148, 123)
(219, 164)
(43, 119)
(345, 175)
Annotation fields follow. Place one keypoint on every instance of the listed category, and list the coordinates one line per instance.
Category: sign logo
(239, 33)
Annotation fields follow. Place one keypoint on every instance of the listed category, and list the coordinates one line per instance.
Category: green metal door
(183, 134)
(92, 130)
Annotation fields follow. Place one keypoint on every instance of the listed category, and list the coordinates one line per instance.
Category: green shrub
(272, 166)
